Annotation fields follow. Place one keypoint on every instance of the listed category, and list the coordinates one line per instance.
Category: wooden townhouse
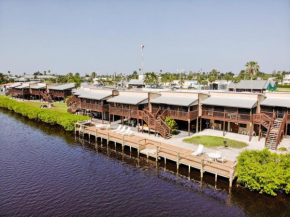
(37, 91)
(60, 92)
(183, 107)
(20, 91)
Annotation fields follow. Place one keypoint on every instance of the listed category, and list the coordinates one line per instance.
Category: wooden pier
(161, 151)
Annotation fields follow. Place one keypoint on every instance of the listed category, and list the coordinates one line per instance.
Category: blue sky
(105, 36)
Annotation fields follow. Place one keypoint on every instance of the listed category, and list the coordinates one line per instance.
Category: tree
(228, 77)
(94, 75)
(236, 80)
(211, 79)
(251, 68)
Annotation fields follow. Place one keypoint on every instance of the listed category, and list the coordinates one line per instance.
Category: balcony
(19, 91)
(179, 115)
(227, 116)
(95, 107)
(125, 112)
(35, 92)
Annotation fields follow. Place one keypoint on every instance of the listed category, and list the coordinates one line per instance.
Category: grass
(214, 141)
(57, 106)
(283, 89)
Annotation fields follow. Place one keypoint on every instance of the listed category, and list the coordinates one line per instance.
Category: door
(235, 128)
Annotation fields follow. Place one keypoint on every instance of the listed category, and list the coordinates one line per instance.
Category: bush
(64, 119)
(264, 171)
(282, 149)
(172, 124)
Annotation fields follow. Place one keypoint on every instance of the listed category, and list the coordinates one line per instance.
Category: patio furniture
(214, 156)
(198, 151)
(119, 128)
(122, 130)
(127, 131)
(222, 159)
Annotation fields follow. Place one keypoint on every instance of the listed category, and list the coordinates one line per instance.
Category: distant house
(257, 86)
(286, 80)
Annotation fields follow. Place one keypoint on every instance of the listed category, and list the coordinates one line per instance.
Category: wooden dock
(161, 151)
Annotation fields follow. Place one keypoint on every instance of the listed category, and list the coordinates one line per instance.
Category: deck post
(138, 150)
(231, 178)
(196, 125)
(201, 169)
(109, 118)
(200, 125)
(108, 138)
(189, 171)
(177, 162)
(224, 128)
(215, 180)
(157, 153)
(188, 133)
(251, 130)
(137, 125)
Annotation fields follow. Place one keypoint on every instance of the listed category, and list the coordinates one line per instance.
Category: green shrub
(172, 124)
(264, 171)
(64, 119)
(283, 86)
(282, 149)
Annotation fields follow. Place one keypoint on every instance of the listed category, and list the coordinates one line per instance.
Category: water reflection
(100, 175)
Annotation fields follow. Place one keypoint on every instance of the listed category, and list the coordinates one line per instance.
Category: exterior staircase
(275, 128)
(156, 122)
(275, 134)
(47, 97)
(74, 104)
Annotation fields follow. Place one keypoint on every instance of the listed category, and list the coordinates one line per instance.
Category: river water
(45, 171)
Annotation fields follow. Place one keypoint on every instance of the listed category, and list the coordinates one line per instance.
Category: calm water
(47, 172)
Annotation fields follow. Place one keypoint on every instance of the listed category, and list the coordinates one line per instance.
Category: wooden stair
(156, 122)
(74, 104)
(47, 97)
(275, 134)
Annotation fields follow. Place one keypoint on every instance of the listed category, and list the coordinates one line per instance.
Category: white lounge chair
(119, 128)
(222, 159)
(126, 132)
(129, 133)
(122, 130)
(198, 151)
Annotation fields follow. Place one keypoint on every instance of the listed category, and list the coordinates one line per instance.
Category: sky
(106, 36)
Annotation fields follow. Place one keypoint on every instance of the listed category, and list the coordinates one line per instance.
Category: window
(243, 125)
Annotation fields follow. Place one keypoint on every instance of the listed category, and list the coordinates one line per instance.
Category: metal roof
(175, 100)
(63, 87)
(38, 87)
(133, 100)
(94, 95)
(14, 85)
(23, 86)
(247, 84)
(237, 102)
(276, 102)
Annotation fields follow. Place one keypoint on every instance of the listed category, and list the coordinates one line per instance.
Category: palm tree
(147, 78)
(228, 77)
(211, 79)
(93, 75)
(236, 80)
(251, 68)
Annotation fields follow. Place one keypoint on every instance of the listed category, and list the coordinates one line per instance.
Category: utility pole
(142, 48)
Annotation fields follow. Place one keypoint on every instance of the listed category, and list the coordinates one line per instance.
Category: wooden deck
(159, 151)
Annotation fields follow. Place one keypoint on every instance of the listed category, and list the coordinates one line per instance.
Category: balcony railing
(95, 107)
(125, 112)
(58, 94)
(227, 116)
(19, 91)
(179, 115)
(35, 92)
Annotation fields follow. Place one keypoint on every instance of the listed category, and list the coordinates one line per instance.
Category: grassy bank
(264, 171)
(56, 116)
(214, 141)
(62, 107)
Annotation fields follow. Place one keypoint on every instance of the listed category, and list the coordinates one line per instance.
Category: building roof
(237, 102)
(42, 86)
(276, 102)
(94, 95)
(15, 85)
(23, 86)
(135, 82)
(132, 100)
(63, 87)
(247, 84)
(175, 100)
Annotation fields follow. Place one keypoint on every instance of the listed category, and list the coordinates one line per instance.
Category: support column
(197, 125)
(224, 125)
(200, 125)
(188, 128)
(251, 130)
(102, 117)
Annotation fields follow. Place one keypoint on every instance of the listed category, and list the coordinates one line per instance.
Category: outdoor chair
(119, 128)
(222, 159)
(198, 151)
(126, 131)
(122, 130)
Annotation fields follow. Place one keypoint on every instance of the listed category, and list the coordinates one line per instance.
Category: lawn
(214, 141)
(57, 106)
(283, 89)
